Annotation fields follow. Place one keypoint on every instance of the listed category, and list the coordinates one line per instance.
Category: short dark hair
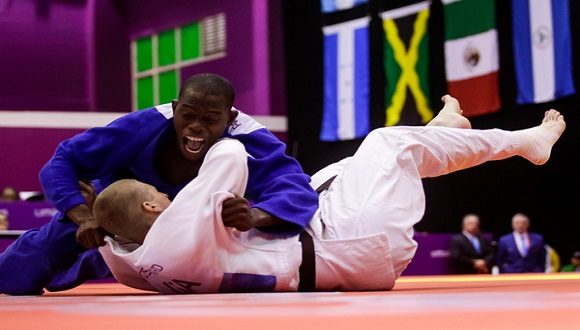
(211, 84)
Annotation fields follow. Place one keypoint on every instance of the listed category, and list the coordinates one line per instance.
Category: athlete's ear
(152, 207)
(174, 105)
(233, 115)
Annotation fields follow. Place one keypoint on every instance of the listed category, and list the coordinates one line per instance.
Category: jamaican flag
(406, 64)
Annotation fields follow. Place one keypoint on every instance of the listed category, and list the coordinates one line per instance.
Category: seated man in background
(360, 238)
(471, 253)
(521, 251)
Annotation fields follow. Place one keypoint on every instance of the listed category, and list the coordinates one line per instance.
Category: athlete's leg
(450, 116)
(440, 151)
(30, 263)
(380, 189)
(88, 266)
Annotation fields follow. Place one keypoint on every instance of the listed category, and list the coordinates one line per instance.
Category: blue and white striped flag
(542, 50)
(329, 6)
(346, 81)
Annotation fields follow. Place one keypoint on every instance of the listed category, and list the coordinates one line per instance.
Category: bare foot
(537, 141)
(451, 115)
(554, 121)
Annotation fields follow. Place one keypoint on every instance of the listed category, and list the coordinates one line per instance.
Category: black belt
(307, 268)
(325, 184)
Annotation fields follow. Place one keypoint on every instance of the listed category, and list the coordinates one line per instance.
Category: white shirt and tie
(474, 241)
(522, 242)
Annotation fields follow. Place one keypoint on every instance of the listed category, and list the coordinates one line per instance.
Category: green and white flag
(471, 55)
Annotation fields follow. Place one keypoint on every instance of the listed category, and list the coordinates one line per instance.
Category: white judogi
(189, 250)
(362, 231)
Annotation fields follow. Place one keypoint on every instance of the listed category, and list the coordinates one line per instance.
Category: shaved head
(118, 209)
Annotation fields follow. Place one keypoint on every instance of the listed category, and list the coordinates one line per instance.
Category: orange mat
(539, 301)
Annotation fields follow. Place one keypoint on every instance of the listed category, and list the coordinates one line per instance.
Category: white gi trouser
(363, 231)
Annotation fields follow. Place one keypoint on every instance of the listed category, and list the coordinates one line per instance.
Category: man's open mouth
(194, 144)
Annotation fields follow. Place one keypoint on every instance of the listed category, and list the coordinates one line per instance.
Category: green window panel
(145, 93)
(190, 42)
(144, 54)
(168, 87)
(166, 47)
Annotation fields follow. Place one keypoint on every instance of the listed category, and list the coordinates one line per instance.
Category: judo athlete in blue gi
(164, 147)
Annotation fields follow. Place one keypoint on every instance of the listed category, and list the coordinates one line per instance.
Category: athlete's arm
(238, 213)
(95, 153)
(282, 196)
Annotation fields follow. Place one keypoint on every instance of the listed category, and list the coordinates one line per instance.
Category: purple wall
(74, 54)
(23, 151)
(64, 55)
(432, 256)
(111, 62)
(26, 215)
(43, 55)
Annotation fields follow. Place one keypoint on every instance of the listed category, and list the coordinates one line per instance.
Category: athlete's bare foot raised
(451, 115)
(537, 141)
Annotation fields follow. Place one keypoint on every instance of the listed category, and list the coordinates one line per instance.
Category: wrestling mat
(540, 301)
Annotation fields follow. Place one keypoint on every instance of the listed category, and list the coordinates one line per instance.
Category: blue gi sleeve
(95, 153)
(277, 184)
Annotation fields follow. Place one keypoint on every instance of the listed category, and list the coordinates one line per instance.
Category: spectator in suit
(521, 251)
(471, 253)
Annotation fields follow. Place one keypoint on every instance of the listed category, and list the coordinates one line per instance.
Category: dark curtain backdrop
(496, 190)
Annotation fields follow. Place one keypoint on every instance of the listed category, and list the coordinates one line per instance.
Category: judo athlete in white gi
(362, 231)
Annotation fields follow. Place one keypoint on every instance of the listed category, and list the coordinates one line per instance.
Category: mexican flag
(471, 55)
